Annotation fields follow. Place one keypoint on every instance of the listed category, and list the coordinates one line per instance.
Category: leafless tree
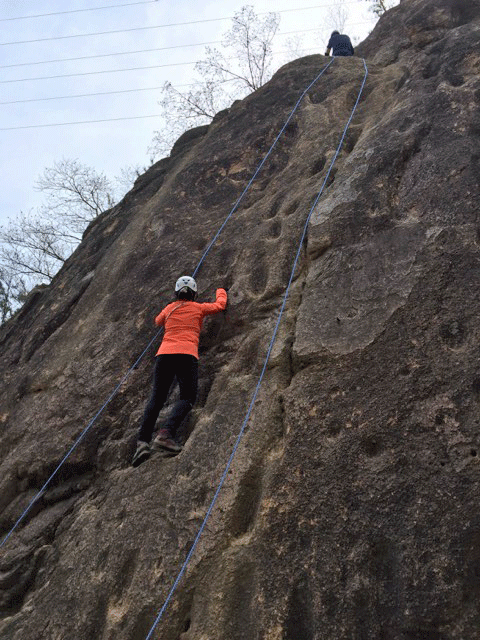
(242, 66)
(182, 111)
(12, 293)
(75, 193)
(379, 6)
(337, 16)
(294, 48)
(34, 246)
(250, 40)
(5, 297)
(127, 177)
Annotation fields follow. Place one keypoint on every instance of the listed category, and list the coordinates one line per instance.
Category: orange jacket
(183, 322)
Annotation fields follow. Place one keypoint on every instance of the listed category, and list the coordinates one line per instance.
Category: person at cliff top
(177, 358)
(341, 45)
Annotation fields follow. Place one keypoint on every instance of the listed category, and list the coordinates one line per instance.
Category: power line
(59, 13)
(115, 6)
(160, 26)
(87, 95)
(122, 53)
(155, 66)
(65, 124)
(108, 93)
(102, 33)
(108, 55)
(93, 73)
(84, 95)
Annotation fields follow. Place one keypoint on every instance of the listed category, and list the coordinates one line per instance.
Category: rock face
(351, 508)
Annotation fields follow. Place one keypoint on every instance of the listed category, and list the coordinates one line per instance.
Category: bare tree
(379, 6)
(127, 177)
(12, 293)
(75, 193)
(5, 297)
(34, 246)
(337, 16)
(250, 40)
(182, 111)
(243, 65)
(294, 48)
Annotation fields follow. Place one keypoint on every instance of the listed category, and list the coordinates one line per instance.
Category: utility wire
(93, 73)
(159, 26)
(109, 93)
(60, 13)
(115, 6)
(65, 124)
(103, 33)
(156, 66)
(124, 53)
(108, 55)
(87, 95)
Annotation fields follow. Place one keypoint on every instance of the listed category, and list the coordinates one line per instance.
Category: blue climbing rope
(262, 374)
(134, 366)
(235, 206)
(79, 439)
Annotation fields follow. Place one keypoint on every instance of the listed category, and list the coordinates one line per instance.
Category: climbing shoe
(141, 454)
(165, 442)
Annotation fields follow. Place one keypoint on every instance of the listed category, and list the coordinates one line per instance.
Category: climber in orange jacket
(177, 358)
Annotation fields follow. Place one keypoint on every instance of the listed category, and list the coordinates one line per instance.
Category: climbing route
(159, 332)
(262, 373)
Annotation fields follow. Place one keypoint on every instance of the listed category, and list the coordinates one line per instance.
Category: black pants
(184, 368)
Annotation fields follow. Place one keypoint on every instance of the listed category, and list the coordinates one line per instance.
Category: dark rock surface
(351, 509)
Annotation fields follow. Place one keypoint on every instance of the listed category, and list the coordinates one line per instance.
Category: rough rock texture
(351, 510)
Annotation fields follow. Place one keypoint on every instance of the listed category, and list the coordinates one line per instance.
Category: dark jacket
(340, 45)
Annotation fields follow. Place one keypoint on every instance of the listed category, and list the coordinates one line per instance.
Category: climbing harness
(159, 332)
(262, 374)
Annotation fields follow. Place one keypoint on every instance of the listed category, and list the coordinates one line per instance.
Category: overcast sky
(30, 98)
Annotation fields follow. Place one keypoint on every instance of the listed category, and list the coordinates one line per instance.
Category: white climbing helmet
(186, 282)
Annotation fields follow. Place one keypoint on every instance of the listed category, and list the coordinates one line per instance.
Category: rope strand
(235, 206)
(79, 439)
(135, 365)
(262, 374)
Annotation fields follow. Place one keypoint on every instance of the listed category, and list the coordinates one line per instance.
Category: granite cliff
(351, 510)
